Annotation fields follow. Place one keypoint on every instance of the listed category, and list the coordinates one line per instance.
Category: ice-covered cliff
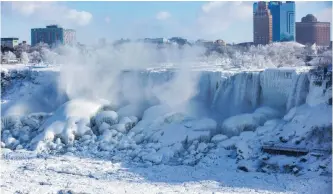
(228, 93)
(173, 116)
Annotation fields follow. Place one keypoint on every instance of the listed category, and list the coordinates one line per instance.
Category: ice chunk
(218, 138)
(239, 123)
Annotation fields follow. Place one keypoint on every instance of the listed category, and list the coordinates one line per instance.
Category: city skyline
(230, 21)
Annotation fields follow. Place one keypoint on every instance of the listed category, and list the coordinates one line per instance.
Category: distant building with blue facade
(283, 20)
(52, 35)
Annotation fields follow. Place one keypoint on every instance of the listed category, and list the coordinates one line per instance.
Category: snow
(87, 175)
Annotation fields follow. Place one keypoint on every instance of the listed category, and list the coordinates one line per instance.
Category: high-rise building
(283, 19)
(262, 23)
(52, 35)
(310, 31)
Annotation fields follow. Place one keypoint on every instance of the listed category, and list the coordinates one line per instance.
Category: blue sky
(230, 21)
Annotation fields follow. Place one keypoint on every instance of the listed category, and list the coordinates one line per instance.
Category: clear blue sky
(230, 21)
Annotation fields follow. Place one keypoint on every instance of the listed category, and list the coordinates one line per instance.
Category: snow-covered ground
(24, 173)
(198, 129)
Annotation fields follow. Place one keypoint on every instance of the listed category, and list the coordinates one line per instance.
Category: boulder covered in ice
(109, 117)
(264, 114)
(184, 130)
(236, 124)
(248, 122)
(68, 121)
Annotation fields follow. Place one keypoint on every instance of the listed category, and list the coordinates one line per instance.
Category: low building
(220, 42)
(9, 42)
(311, 31)
(156, 40)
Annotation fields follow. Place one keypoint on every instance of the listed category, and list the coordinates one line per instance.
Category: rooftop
(309, 18)
(4, 39)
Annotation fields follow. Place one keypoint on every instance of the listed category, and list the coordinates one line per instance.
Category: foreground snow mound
(71, 120)
(308, 125)
(248, 122)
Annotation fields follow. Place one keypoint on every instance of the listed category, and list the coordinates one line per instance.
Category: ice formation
(246, 109)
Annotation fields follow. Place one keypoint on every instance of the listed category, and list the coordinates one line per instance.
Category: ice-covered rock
(109, 117)
(248, 122)
(104, 126)
(239, 123)
(68, 121)
(243, 150)
(229, 143)
(264, 114)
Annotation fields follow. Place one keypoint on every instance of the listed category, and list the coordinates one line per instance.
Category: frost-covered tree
(35, 57)
(24, 58)
(9, 56)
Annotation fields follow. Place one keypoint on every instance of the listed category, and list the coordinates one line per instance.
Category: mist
(117, 74)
